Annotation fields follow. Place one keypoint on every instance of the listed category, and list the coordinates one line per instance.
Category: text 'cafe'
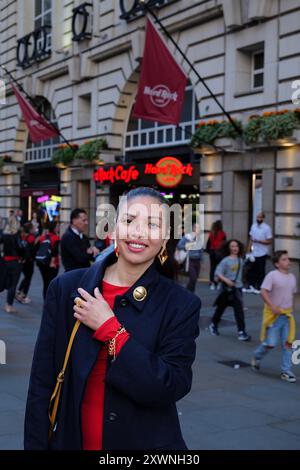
(177, 181)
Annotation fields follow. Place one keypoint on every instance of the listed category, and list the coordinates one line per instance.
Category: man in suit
(76, 251)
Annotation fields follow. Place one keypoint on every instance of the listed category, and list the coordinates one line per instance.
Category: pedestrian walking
(30, 247)
(215, 242)
(12, 256)
(47, 255)
(76, 251)
(229, 272)
(192, 244)
(133, 352)
(260, 240)
(278, 325)
(35, 223)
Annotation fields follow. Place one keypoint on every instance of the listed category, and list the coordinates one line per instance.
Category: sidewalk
(232, 408)
(227, 408)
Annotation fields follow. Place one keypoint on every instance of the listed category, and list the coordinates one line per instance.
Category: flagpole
(146, 7)
(32, 102)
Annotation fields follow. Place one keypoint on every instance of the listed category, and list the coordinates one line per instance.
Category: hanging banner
(162, 82)
(39, 128)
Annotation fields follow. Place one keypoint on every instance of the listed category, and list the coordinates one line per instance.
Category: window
(42, 151)
(258, 69)
(43, 18)
(147, 134)
(84, 110)
(249, 71)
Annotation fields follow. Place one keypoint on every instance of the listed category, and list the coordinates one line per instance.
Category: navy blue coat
(152, 371)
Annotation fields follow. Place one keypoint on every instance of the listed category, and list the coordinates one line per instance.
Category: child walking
(277, 290)
(229, 272)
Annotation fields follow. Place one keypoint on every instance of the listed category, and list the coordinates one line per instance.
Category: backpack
(44, 253)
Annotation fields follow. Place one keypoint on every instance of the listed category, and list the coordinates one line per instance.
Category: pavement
(229, 407)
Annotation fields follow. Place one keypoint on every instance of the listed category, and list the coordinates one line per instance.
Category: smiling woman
(133, 352)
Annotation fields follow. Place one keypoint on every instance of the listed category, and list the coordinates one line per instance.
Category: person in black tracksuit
(12, 255)
(76, 251)
(28, 264)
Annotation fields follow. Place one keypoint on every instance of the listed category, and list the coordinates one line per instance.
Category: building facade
(81, 60)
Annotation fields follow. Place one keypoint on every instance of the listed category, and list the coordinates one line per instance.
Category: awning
(38, 192)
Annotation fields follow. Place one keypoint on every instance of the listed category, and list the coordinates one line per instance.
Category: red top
(216, 241)
(93, 402)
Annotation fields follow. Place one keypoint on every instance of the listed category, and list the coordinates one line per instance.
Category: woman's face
(140, 229)
(234, 248)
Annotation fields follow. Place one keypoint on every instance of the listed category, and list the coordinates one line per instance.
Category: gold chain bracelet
(112, 343)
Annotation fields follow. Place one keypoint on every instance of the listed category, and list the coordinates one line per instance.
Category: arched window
(143, 134)
(42, 151)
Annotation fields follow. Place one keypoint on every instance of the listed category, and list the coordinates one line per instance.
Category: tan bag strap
(54, 400)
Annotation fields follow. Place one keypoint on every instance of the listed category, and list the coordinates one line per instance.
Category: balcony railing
(133, 9)
(159, 136)
(34, 47)
(39, 154)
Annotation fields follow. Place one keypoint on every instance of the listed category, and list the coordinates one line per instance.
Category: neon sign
(168, 171)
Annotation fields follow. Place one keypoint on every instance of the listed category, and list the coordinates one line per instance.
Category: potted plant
(275, 128)
(215, 133)
(64, 155)
(90, 151)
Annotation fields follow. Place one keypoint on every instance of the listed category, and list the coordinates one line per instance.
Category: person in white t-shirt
(260, 240)
(278, 290)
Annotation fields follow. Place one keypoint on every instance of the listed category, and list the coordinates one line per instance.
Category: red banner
(162, 82)
(39, 128)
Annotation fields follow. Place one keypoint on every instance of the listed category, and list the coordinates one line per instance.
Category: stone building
(81, 60)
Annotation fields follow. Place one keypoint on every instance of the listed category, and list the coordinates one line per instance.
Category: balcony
(133, 9)
(34, 47)
(39, 154)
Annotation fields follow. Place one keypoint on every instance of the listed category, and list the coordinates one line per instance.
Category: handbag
(229, 293)
(55, 397)
(180, 256)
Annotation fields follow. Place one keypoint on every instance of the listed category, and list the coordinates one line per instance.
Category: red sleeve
(31, 239)
(108, 330)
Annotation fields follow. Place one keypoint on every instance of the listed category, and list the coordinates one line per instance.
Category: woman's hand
(92, 311)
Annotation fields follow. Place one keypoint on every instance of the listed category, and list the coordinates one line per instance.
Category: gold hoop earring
(116, 249)
(163, 255)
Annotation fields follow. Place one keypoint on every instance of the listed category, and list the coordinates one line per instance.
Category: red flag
(162, 82)
(39, 128)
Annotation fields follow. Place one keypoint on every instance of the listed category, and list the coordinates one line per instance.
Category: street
(227, 408)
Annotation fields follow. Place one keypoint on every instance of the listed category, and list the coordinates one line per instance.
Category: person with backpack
(229, 272)
(47, 256)
(30, 245)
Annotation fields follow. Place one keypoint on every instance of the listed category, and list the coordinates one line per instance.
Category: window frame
(42, 17)
(255, 71)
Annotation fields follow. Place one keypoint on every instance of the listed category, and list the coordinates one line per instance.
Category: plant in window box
(90, 151)
(278, 125)
(64, 155)
(213, 132)
(272, 128)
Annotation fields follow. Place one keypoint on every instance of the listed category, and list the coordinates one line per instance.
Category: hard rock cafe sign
(168, 172)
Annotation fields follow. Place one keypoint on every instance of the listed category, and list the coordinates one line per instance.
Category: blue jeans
(279, 331)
